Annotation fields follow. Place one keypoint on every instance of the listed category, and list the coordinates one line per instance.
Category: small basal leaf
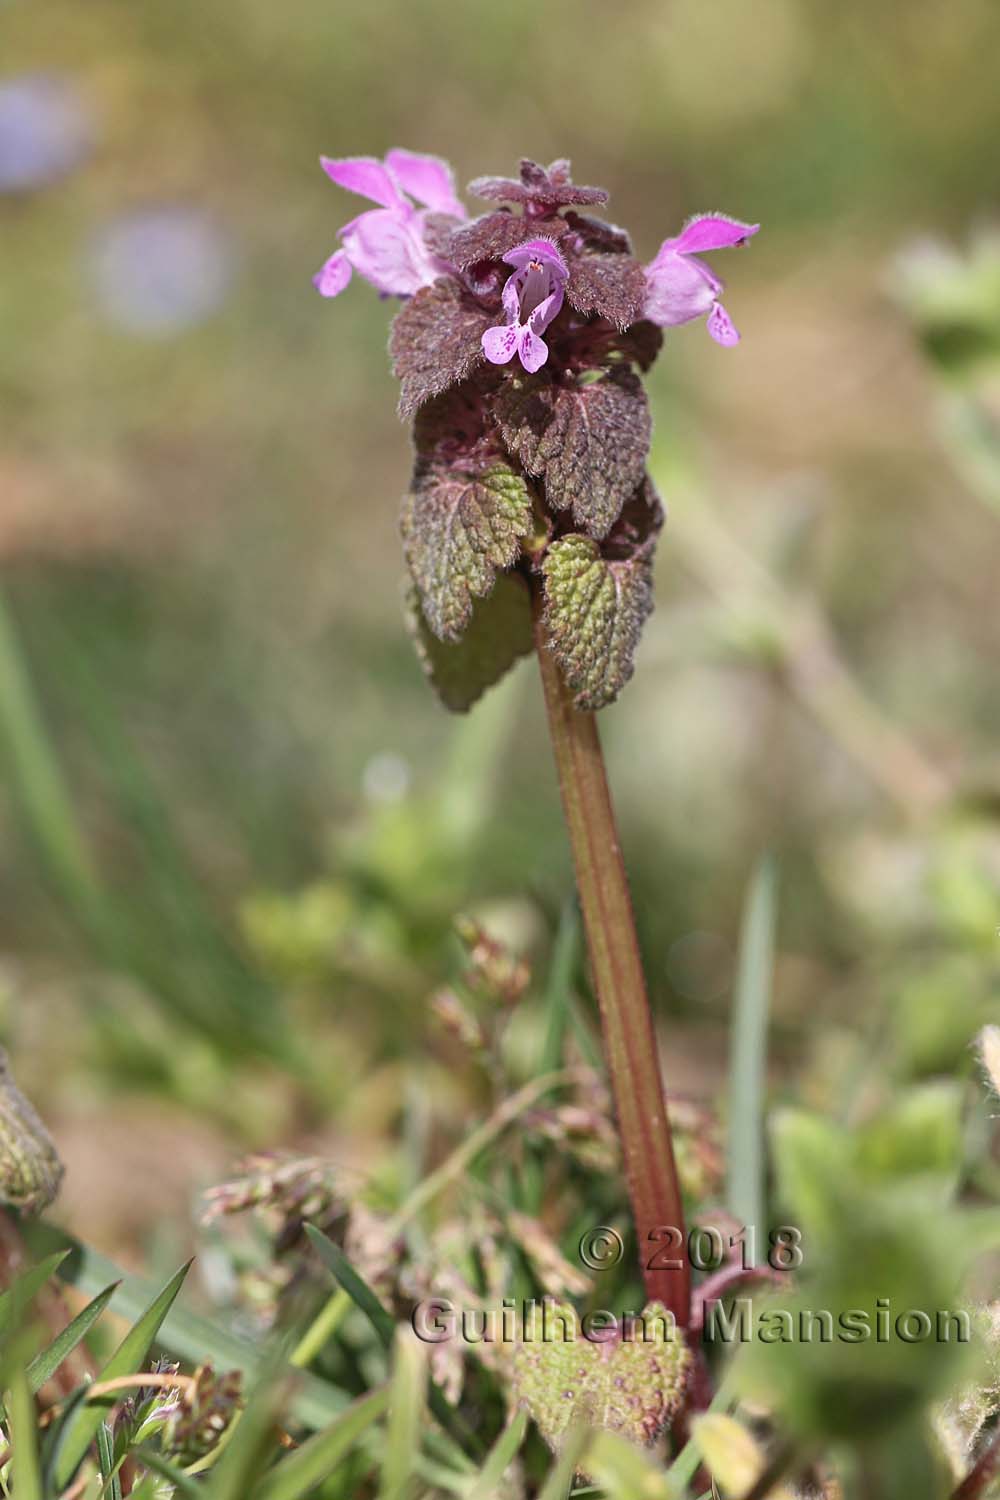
(628, 1380)
(461, 522)
(612, 285)
(498, 633)
(436, 340)
(588, 439)
(596, 602)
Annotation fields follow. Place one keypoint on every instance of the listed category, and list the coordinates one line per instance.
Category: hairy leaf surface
(462, 520)
(436, 341)
(588, 439)
(597, 600)
(498, 634)
(612, 285)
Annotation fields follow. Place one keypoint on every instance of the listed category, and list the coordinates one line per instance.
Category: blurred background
(235, 825)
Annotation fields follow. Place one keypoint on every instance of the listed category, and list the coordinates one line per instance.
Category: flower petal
(543, 314)
(712, 232)
(500, 344)
(364, 175)
(541, 250)
(387, 249)
(678, 288)
(532, 350)
(426, 178)
(722, 328)
(334, 276)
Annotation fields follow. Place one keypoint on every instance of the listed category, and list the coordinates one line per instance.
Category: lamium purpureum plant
(531, 521)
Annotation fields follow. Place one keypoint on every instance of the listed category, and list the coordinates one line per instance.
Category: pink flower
(386, 245)
(680, 287)
(531, 299)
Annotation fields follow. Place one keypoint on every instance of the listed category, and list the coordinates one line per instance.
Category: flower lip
(543, 251)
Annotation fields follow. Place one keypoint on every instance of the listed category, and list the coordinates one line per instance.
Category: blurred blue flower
(45, 130)
(161, 270)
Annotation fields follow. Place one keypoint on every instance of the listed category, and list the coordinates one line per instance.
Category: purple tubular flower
(532, 297)
(386, 245)
(680, 287)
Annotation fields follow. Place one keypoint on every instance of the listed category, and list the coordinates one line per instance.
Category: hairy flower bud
(30, 1169)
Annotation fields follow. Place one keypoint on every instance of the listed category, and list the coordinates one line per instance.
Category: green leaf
(183, 1483)
(501, 1456)
(186, 1334)
(384, 1325)
(24, 1440)
(355, 1286)
(461, 522)
(250, 1443)
(498, 633)
(45, 1364)
(588, 439)
(112, 1488)
(632, 1386)
(596, 602)
(127, 1359)
(748, 1053)
(22, 1292)
(436, 340)
(309, 1465)
(407, 1398)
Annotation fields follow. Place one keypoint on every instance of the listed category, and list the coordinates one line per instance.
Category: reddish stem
(616, 967)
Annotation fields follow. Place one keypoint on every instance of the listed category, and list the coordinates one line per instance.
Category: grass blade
(188, 1335)
(24, 1441)
(309, 1465)
(407, 1398)
(106, 1463)
(127, 1359)
(355, 1286)
(182, 1483)
(384, 1325)
(748, 1053)
(45, 1364)
(560, 1480)
(502, 1455)
(22, 1292)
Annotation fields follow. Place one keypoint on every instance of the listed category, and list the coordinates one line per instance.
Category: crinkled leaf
(597, 235)
(631, 1385)
(588, 438)
(436, 339)
(547, 185)
(462, 520)
(491, 236)
(498, 634)
(596, 603)
(612, 285)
